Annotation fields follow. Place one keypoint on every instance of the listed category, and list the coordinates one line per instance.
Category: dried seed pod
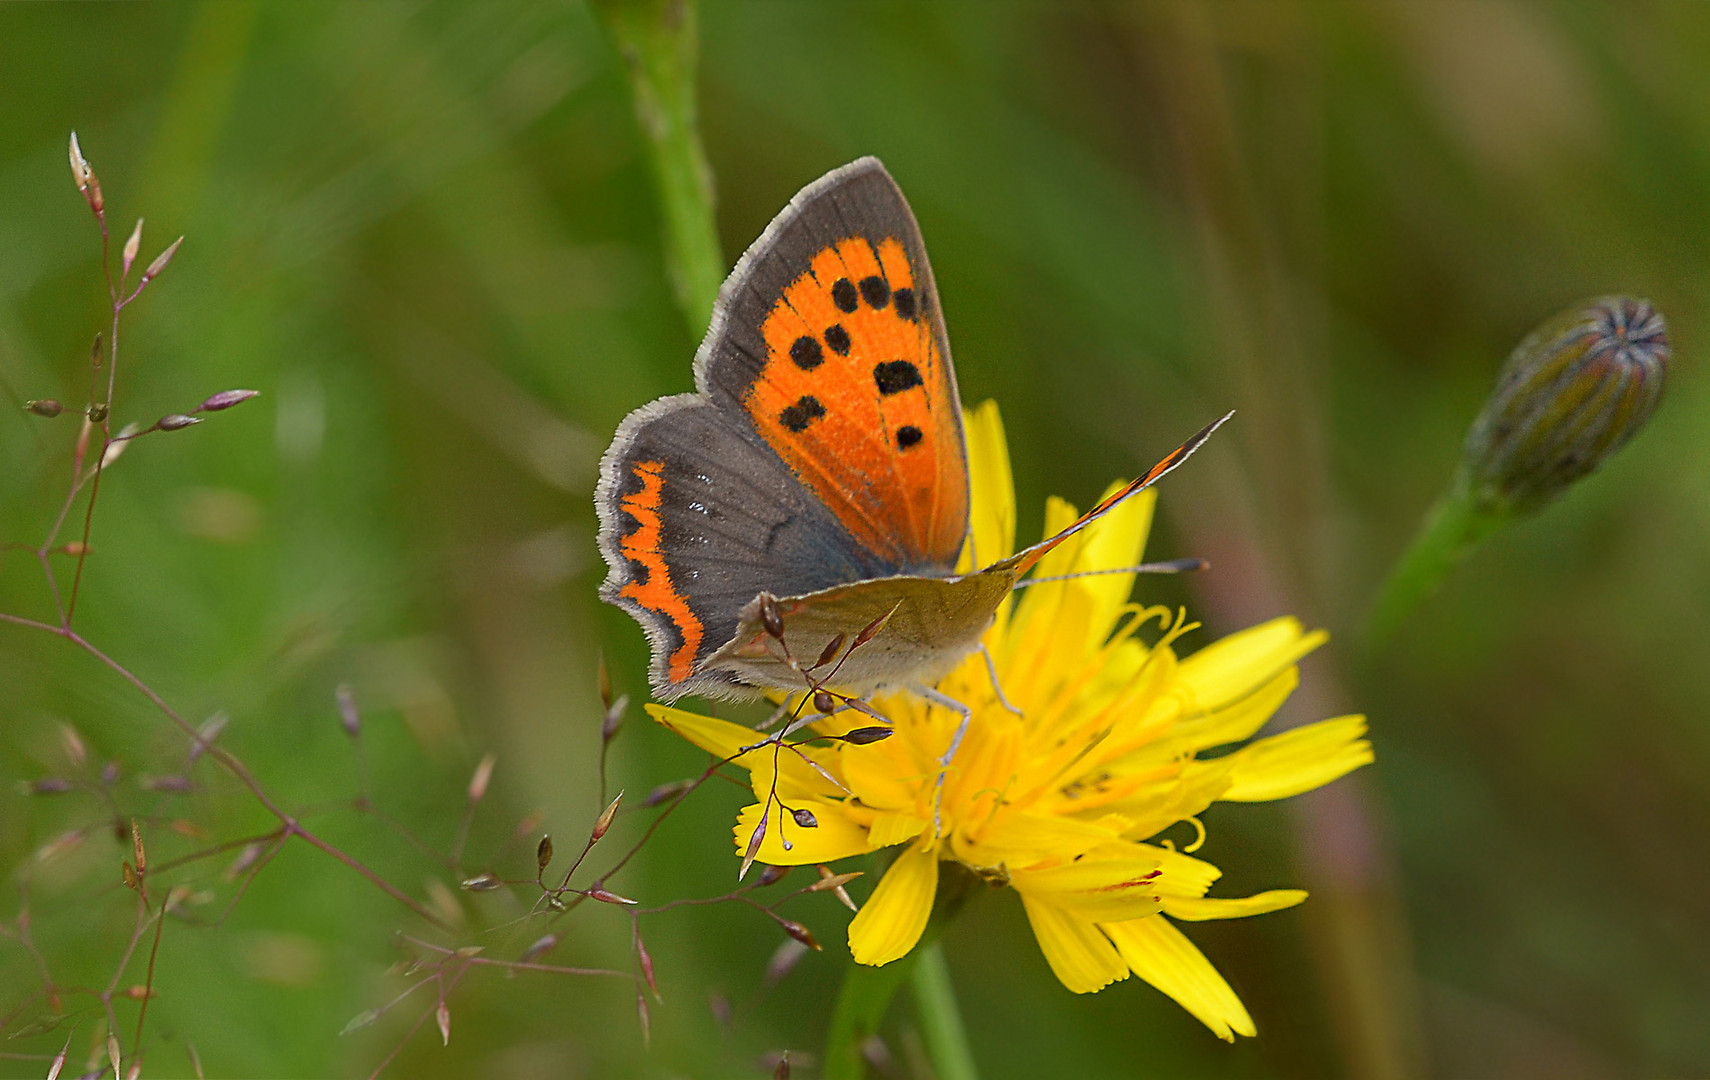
(482, 776)
(175, 422)
(754, 844)
(801, 934)
(784, 959)
(771, 617)
(864, 735)
(829, 653)
(543, 853)
(666, 792)
(225, 399)
(160, 263)
(541, 946)
(605, 819)
(45, 407)
(824, 702)
(645, 959)
(804, 817)
(348, 714)
(131, 246)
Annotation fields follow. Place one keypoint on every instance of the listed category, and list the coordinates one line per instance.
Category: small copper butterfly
(817, 475)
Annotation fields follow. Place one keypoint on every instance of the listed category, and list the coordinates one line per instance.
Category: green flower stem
(1456, 525)
(861, 1007)
(940, 1018)
(658, 42)
(867, 992)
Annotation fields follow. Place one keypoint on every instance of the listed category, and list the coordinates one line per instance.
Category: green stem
(867, 992)
(658, 42)
(1454, 528)
(861, 1006)
(940, 1018)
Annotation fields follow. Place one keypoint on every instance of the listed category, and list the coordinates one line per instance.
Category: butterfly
(814, 488)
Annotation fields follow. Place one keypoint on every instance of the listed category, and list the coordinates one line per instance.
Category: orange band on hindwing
(856, 397)
(655, 591)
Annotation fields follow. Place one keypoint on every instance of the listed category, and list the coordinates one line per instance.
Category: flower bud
(1575, 390)
(45, 407)
(175, 422)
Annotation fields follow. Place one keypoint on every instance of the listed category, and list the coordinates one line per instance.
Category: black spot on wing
(907, 436)
(805, 411)
(838, 339)
(895, 376)
(904, 300)
(844, 296)
(876, 291)
(806, 353)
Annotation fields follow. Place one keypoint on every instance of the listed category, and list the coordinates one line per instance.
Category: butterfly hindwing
(829, 338)
(697, 517)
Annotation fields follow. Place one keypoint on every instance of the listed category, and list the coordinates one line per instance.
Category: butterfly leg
(991, 669)
(933, 697)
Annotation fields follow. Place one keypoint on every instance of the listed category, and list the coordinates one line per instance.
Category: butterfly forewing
(834, 347)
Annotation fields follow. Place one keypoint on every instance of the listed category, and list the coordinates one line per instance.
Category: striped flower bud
(1575, 390)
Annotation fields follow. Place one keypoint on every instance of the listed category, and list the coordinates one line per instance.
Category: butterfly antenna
(1168, 566)
(1023, 560)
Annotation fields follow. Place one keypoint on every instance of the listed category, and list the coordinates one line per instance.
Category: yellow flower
(1058, 802)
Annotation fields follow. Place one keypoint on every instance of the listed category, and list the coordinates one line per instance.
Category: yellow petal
(890, 922)
(1182, 875)
(884, 775)
(893, 827)
(991, 510)
(835, 837)
(1238, 720)
(1083, 958)
(1158, 953)
(1198, 910)
(1299, 760)
(1229, 669)
(1019, 838)
(1152, 810)
(796, 778)
(1109, 886)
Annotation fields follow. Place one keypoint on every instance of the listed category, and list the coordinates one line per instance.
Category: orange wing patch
(856, 398)
(655, 591)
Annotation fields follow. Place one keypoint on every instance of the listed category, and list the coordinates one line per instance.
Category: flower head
(1063, 802)
(1575, 390)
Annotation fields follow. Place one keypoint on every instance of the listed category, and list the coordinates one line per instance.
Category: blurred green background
(426, 232)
